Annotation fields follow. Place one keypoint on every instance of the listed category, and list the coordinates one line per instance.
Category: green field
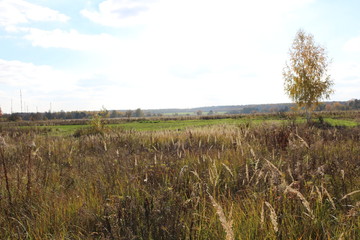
(153, 125)
(341, 122)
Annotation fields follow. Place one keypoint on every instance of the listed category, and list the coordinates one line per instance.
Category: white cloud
(212, 52)
(118, 13)
(29, 76)
(190, 53)
(43, 84)
(14, 12)
(40, 85)
(71, 39)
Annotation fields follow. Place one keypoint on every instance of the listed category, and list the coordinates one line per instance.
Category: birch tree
(306, 76)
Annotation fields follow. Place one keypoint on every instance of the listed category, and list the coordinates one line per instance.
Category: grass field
(245, 178)
(154, 125)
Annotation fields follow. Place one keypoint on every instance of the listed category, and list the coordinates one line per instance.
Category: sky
(150, 54)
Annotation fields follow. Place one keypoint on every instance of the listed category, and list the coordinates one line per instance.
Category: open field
(184, 124)
(69, 127)
(243, 178)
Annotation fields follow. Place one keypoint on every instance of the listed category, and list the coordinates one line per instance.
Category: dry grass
(302, 198)
(273, 217)
(226, 223)
(349, 194)
(219, 182)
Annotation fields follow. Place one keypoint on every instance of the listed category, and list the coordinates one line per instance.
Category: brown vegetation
(283, 181)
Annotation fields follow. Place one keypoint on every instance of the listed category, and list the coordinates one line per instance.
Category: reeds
(228, 181)
(305, 203)
(349, 194)
(226, 223)
(273, 217)
(5, 169)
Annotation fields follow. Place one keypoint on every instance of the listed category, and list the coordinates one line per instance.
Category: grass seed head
(305, 203)
(273, 217)
(349, 194)
(225, 223)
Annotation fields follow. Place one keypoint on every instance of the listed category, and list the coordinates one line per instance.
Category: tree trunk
(308, 115)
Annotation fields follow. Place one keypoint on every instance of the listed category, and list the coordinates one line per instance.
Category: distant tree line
(263, 108)
(76, 115)
(273, 108)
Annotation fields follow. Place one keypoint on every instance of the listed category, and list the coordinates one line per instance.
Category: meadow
(255, 177)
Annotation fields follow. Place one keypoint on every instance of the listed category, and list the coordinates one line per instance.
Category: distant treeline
(246, 109)
(75, 115)
(273, 108)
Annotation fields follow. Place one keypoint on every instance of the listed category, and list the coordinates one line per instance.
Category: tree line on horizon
(250, 109)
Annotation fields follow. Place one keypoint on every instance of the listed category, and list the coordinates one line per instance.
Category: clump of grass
(96, 127)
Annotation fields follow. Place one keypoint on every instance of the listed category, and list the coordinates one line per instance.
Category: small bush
(96, 126)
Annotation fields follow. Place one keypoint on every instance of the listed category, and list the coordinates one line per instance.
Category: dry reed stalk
(253, 176)
(342, 172)
(196, 175)
(320, 195)
(252, 152)
(302, 198)
(278, 177)
(329, 197)
(274, 167)
(182, 170)
(341, 237)
(18, 181)
(225, 223)
(349, 194)
(273, 217)
(290, 174)
(32, 147)
(239, 143)
(262, 216)
(247, 172)
(303, 141)
(227, 168)
(105, 146)
(260, 175)
(214, 174)
(2, 155)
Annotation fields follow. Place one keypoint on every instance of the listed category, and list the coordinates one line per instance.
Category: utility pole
(11, 110)
(20, 100)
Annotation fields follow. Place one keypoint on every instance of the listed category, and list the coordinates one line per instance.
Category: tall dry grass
(182, 184)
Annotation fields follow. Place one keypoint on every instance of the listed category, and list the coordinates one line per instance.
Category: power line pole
(21, 105)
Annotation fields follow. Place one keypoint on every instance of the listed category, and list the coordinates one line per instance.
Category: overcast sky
(127, 54)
